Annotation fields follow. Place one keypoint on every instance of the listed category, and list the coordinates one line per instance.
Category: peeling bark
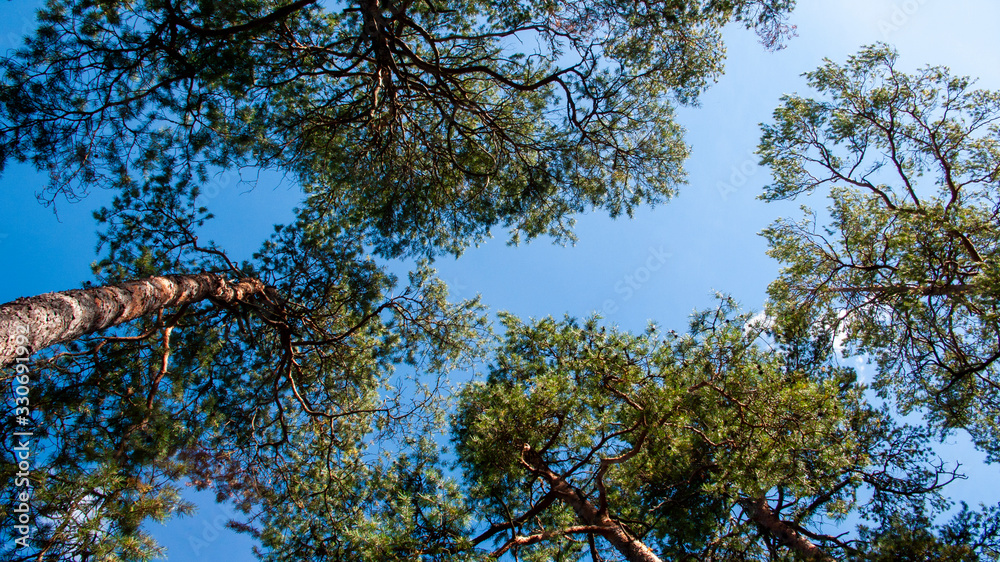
(28, 325)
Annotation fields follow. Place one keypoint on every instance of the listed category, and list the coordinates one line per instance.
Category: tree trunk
(30, 324)
(762, 514)
(633, 549)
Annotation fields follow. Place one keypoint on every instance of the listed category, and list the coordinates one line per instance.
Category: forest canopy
(335, 392)
(413, 122)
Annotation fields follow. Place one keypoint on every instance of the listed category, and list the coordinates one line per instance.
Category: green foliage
(397, 505)
(674, 436)
(317, 405)
(225, 396)
(414, 122)
(968, 537)
(905, 264)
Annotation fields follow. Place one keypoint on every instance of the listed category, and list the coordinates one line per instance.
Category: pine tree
(905, 263)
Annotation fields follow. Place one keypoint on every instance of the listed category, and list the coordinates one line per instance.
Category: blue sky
(659, 266)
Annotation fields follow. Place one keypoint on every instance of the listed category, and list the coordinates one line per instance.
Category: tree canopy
(320, 402)
(712, 445)
(221, 393)
(905, 263)
(415, 122)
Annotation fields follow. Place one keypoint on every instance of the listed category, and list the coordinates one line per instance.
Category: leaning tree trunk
(762, 514)
(598, 521)
(34, 323)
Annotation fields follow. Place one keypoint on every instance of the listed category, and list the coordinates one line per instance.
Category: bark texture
(596, 521)
(34, 323)
(762, 514)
